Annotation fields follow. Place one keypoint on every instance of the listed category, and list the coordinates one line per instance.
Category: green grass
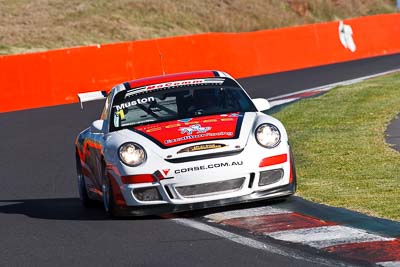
(341, 155)
(27, 26)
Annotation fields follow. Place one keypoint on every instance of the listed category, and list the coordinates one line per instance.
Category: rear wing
(91, 96)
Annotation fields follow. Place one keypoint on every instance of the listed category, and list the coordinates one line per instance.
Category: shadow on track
(71, 209)
(58, 209)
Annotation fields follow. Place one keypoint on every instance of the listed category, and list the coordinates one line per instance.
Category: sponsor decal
(134, 103)
(346, 36)
(165, 171)
(232, 115)
(200, 147)
(178, 83)
(173, 133)
(209, 166)
(216, 81)
(198, 136)
(194, 128)
(171, 125)
(120, 114)
(186, 120)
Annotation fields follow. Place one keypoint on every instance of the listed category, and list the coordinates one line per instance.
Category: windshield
(142, 106)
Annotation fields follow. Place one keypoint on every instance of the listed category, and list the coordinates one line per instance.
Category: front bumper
(205, 183)
(160, 209)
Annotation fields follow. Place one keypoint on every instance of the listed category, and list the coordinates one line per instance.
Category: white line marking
(328, 87)
(389, 264)
(283, 101)
(254, 243)
(246, 213)
(326, 236)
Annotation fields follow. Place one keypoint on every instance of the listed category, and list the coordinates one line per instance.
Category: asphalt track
(393, 133)
(43, 224)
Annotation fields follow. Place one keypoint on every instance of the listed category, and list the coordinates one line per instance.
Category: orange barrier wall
(55, 77)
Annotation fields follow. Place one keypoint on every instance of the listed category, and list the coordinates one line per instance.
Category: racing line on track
(364, 247)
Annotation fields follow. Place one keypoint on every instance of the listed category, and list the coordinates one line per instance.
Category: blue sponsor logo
(186, 120)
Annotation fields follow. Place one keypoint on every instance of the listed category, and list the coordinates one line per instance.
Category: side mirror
(261, 104)
(98, 126)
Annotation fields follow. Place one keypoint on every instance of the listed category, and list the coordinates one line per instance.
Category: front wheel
(86, 201)
(108, 197)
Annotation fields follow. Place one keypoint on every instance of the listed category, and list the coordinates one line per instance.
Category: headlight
(268, 135)
(132, 154)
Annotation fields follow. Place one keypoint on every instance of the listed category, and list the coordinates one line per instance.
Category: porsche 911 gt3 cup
(180, 142)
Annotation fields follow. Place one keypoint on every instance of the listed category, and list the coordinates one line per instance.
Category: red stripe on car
(138, 178)
(93, 144)
(279, 159)
(86, 172)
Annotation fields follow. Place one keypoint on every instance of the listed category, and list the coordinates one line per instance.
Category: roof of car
(175, 77)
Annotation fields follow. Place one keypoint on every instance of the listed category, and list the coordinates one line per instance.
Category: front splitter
(160, 209)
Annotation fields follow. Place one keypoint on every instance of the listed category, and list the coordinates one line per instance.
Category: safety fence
(55, 77)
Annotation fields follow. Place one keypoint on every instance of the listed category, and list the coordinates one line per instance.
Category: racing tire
(86, 201)
(108, 196)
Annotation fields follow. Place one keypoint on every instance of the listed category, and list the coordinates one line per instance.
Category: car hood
(190, 130)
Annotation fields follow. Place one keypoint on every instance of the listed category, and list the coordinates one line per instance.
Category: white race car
(180, 142)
